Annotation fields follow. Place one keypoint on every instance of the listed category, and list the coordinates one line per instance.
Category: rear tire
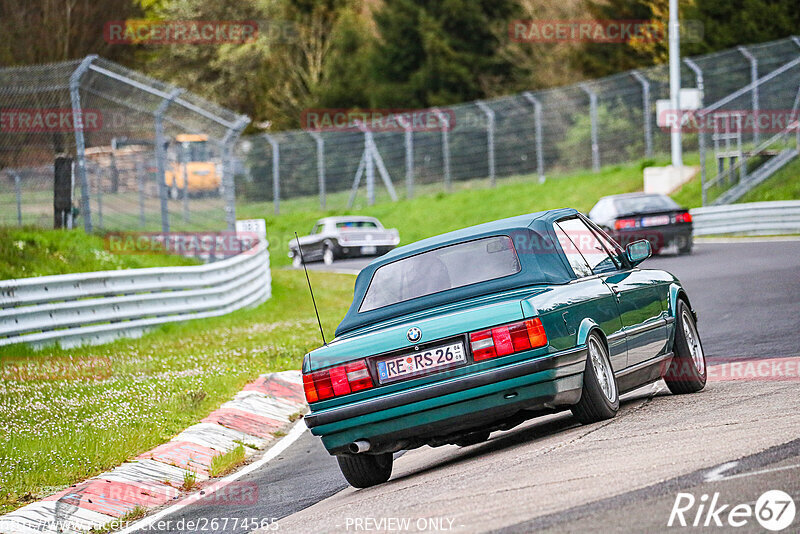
(600, 396)
(685, 246)
(365, 470)
(687, 370)
(472, 439)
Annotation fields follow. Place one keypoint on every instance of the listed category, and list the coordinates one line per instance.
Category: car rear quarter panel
(568, 311)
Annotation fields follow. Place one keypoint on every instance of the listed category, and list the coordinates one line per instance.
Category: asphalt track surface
(735, 439)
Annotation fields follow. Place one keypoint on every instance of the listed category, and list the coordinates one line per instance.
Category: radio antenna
(313, 301)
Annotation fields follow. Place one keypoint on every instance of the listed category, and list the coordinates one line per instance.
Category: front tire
(328, 257)
(600, 396)
(687, 370)
(365, 470)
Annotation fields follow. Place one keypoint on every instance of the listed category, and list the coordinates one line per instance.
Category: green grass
(26, 252)
(783, 185)
(66, 415)
(433, 211)
(223, 464)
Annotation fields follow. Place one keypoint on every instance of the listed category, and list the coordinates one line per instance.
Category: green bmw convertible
(456, 336)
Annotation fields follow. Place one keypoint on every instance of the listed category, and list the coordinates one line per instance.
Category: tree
(728, 23)
(41, 31)
(438, 52)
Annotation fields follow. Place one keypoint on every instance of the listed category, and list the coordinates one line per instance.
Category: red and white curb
(154, 478)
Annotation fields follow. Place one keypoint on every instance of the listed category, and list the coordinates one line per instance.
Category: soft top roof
(527, 232)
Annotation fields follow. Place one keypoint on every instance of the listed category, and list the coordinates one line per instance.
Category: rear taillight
(683, 217)
(336, 381)
(507, 339)
(621, 224)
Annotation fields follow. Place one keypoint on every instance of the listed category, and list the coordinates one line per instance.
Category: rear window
(648, 203)
(441, 269)
(356, 224)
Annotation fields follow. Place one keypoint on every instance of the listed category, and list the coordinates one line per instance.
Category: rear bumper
(455, 405)
(354, 249)
(659, 236)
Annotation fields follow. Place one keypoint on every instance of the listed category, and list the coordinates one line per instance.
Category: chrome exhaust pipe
(359, 446)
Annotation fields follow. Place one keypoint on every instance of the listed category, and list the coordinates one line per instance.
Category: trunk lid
(442, 322)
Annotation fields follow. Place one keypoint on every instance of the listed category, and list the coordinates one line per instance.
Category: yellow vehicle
(192, 172)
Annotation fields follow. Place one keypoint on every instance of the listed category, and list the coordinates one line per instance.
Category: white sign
(690, 99)
(253, 226)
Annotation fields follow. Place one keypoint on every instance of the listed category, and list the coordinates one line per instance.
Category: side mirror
(638, 251)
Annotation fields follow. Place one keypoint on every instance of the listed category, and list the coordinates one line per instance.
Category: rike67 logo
(774, 510)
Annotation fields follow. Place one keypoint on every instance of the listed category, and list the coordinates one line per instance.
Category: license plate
(369, 249)
(658, 220)
(417, 363)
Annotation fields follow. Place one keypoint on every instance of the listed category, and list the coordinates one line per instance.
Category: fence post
(754, 95)
(98, 182)
(276, 173)
(370, 167)
(80, 142)
(184, 166)
(161, 156)
(409, 146)
(701, 136)
(228, 181)
(445, 121)
(140, 179)
(320, 166)
(648, 122)
(537, 119)
(593, 116)
(490, 125)
(18, 195)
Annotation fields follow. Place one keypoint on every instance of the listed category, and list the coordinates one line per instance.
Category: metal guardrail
(98, 307)
(754, 218)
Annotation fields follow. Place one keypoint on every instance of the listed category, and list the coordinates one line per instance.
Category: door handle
(615, 290)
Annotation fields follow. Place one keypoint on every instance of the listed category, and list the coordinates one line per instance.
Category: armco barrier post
(80, 142)
(276, 176)
(593, 117)
(648, 123)
(490, 125)
(537, 119)
(161, 156)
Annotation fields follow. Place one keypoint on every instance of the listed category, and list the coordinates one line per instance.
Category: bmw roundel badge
(414, 334)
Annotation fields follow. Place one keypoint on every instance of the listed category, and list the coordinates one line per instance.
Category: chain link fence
(588, 125)
(139, 154)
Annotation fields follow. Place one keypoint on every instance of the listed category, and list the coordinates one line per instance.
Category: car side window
(588, 245)
(316, 229)
(611, 246)
(575, 258)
